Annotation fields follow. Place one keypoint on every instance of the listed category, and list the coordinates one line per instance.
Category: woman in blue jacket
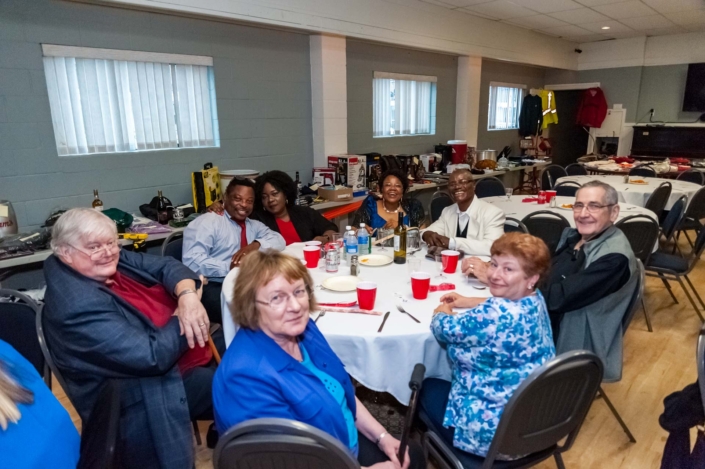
(279, 365)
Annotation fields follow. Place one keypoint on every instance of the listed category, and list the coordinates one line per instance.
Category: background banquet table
(638, 194)
(515, 208)
(380, 361)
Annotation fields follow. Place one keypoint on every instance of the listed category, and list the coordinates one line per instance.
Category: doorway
(569, 141)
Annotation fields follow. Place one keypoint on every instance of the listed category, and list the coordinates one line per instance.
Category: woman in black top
(275, 206)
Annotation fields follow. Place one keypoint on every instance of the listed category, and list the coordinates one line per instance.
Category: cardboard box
(335, 194)
(350, 171)
(324, 176)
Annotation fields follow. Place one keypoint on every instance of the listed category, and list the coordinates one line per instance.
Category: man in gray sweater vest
(592, 280)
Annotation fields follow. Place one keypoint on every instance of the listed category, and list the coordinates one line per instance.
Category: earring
(530, 287)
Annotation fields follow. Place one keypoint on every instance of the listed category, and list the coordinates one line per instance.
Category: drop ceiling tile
(666, 31)
(615, 27)
(549, 6)
(581, 15)
(687, 18)
(647, 23)
(500, 9)
(630, 33)
(536, 22)
(592, 3)
(594, 38)
(631, 9)
(479, 15)
(566, 31)
(669, 6)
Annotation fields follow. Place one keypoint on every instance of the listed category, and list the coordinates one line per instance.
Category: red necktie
(243, 234)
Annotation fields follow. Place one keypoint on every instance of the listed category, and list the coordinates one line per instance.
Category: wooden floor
(655, 365)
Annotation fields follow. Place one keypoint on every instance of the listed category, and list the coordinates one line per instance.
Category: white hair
(78, 223)
(611, 195)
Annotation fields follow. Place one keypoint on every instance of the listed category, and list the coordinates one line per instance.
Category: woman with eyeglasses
(280, 365)
(112, 313)
(591, 281)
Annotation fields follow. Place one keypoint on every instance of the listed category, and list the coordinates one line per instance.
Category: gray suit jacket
(95, 335)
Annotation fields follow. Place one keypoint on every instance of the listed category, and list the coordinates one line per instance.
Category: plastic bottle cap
(348, 227)
(362, 225)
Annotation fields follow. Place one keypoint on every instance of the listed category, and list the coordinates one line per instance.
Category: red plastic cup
(450, 261)
(312, 254)
(366, 294)
(420, 284)
(550, 195)
(542, 199)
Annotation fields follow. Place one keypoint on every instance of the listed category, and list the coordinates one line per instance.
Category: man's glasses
(99, 251)
(592, 207)
(280, 300)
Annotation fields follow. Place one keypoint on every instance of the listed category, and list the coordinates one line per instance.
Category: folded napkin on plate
(442, 287)
(530, 199)
(349, 304)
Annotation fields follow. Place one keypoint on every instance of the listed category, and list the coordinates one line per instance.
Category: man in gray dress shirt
(214, 244)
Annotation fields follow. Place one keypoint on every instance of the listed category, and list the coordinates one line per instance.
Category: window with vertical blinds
(403, 104)
(118, 101)
(504, 106)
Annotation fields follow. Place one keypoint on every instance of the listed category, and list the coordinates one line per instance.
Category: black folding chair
(512, 225)
(48, 357)
(546, 225)
(566, 188)
(692, 175)
(693, 214)
(576, 169)
(548, 406)
(172, 246)
(672, 267)
(439, 201)
(642, 233)
(489, 187)
(643, 171)
(671, 222)
(658, 200)
(550, 175)
(101, 431)
(18, 316)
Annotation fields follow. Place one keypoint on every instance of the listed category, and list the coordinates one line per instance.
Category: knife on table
(386, 315)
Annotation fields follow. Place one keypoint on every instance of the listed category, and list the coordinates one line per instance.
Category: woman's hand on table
(476, 267)
(322, 239)
(390, 225)
(390, 446)
(193, 320)
(456, 300)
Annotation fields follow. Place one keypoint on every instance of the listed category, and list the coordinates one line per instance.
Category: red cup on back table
(366, 294)
(550, 195)
(312, 254)
(420, 284)
(450, 260)
(542, 198)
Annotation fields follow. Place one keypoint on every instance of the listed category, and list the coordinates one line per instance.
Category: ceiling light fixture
(605, 27)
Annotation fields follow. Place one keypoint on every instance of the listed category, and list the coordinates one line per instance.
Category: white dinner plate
(341, 283)
(375, 260)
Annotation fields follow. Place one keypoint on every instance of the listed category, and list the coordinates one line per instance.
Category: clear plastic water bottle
(363, 240)
(350, 242)
(345, 242)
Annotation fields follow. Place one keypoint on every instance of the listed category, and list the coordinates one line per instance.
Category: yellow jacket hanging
(548, 103)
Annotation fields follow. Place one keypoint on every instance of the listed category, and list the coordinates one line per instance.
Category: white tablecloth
(515, 208)
(638, 194)
(380, 361)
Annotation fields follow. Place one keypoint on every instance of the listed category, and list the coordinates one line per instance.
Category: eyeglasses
(280, 300)
(592, 207)
(99, 251)
(460, 182)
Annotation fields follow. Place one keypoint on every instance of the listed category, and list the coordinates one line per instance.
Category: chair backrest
(100, 432)
(548, 406)
(550, 175)
(673, 219)
(642, 232)
(692, 175)
(546, 225)
(636, 297)
(512, 225)
(700, 360)
(46, 352)
(698, 248)
(696, 207)
(439, 201)
(489, 187)
(659, 198)
(576, 169)
(18, 328)
(566, 188)
(274, 443)
(172, 245)
(643, 171)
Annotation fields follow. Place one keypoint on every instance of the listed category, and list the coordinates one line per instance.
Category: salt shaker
(354, 266)
(626, 178)
(553, 202)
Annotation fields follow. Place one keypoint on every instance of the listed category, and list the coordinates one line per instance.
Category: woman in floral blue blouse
(493, 346)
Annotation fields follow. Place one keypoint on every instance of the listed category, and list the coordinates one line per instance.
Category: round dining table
(638, 194)
(516, 208)
(380, 360)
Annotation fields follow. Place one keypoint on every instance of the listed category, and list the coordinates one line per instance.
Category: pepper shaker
(354, 266)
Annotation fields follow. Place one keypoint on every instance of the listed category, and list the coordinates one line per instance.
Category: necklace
(384, 206)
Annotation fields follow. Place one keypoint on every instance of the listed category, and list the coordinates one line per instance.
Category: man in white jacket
(469, 225)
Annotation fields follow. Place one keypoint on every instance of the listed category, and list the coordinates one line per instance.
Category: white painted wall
(643, 51)
(407, 23)
(467, 102)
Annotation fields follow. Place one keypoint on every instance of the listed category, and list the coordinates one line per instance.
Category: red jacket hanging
(593, 108)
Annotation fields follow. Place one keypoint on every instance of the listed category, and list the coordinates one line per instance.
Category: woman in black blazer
(275, 206)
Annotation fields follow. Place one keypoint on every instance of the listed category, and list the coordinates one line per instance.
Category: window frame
(496, 84)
